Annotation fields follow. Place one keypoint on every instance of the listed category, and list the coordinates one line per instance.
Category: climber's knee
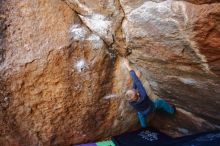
(165, 106)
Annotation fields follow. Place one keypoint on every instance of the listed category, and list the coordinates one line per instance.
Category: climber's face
(132, 95)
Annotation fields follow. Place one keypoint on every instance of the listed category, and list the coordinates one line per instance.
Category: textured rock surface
(178, 48)
(61, 75)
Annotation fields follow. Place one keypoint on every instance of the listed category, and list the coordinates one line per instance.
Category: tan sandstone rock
(62, 80)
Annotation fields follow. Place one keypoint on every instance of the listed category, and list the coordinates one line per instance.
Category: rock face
(62, 80)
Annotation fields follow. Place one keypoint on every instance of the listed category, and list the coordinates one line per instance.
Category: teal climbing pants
(163, 105)
(141, 118)
(158, 104)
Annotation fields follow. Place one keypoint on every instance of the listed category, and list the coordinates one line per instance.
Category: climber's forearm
(127, 64)
(129, 68)
(138, 85)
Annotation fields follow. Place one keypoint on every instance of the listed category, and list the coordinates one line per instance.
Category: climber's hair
(131, 95)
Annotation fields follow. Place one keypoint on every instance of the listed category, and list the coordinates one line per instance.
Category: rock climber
(140, 101)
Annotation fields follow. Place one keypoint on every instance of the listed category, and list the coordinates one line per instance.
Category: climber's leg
(141, 118)
(162, 104)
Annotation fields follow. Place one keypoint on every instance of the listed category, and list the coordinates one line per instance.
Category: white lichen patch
(96, 41)
(80, 65)
(188, 81)
(78, 32)
(183, 130)
(110, 96)
(97, 23)
(185, 80)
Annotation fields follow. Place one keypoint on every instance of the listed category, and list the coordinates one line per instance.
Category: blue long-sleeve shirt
(144, 104)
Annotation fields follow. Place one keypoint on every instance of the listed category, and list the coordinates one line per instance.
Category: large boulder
(62, 79)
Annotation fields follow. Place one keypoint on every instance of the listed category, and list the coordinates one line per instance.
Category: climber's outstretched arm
(136, 81)
(127, 65)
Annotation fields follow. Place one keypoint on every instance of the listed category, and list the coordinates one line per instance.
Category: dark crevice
(119, 35)
(2, 30)
(119, 42)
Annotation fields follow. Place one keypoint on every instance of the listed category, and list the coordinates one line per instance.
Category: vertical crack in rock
(2, 30)
(97, 26)
(4, 96)
(93, 34)
(6, 127)
(119, 43)
(102, 102)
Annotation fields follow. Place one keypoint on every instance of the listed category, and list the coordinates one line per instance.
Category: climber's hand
(126, 62)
